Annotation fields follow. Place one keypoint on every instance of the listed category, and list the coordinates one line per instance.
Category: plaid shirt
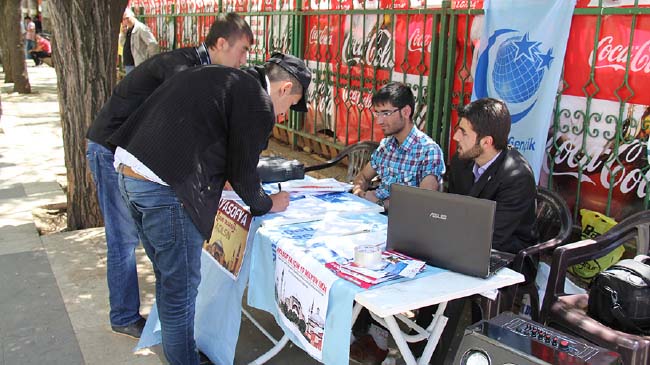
(407, 164)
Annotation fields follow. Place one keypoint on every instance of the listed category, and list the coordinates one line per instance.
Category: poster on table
(302, 296)
(520, 62)
(227, 244)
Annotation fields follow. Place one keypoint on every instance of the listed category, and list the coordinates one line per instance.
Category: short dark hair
(275, 73)
(396, 93)
(229, 26)
(488, 117)
(28, 17)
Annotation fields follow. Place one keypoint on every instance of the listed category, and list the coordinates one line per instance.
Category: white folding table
(388, 303)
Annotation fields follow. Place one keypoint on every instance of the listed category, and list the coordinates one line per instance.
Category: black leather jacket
(510, 182)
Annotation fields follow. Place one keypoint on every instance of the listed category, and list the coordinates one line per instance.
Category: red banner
(324, 37)
(609, 59)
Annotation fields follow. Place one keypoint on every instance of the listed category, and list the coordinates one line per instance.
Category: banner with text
(302, 297)
(520, 62)
(227, 244)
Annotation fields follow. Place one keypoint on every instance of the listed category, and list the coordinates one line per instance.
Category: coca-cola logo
(322, 36)
(419, 41)
(375, 51)
(623, 172)
(280, 42)
(614, 56)
(319, 96)
(319, 4)
(354, 97)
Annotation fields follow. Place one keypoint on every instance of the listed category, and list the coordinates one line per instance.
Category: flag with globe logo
(520, 60)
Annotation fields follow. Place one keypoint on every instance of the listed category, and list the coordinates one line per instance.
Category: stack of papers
(314, 208)
(394, 266)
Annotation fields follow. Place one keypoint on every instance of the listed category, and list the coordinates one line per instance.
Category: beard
(470, 154)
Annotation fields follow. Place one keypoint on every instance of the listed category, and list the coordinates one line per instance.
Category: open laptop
(446, 230)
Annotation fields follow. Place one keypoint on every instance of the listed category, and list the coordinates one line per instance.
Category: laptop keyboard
(497, 263)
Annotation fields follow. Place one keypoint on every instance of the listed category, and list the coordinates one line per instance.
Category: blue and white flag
(520, 62)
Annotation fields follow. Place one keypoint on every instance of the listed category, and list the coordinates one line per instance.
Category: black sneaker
(132, 330)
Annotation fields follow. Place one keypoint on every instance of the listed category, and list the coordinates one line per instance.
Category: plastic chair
(569, 312)
(554, 225)
(358, 155)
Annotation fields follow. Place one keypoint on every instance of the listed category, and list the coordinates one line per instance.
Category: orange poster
(227, 243)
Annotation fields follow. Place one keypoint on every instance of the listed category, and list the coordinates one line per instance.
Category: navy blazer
(510, 182)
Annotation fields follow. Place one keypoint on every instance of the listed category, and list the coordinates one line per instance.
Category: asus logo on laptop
(438, 216)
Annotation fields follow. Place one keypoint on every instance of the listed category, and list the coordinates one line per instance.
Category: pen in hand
(279, 187)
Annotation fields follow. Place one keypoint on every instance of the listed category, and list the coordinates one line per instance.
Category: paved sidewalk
(53, 293)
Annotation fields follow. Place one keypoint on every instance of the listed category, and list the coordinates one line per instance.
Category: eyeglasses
(384, 113)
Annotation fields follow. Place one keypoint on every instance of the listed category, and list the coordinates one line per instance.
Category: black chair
(569, 312)
(555, 225)
(358, 155)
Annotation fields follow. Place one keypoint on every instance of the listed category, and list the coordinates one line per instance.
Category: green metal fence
(597, 146)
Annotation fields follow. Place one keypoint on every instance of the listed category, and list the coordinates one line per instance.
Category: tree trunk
(84, 56)
(15, 45)
(6, 63)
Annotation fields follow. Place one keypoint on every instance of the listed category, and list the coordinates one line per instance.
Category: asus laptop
(445, 230)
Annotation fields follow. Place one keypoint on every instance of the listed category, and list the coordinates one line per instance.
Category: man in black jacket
(485, 167)
(207, 126)
(227, 43)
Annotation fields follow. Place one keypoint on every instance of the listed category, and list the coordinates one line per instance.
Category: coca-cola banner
(609, 59)
(413, 43)
(367, 49)
(596, 153)
(324, 38)
(279, 25)
(354, 120)
(320, 116)
(257, 52)
(520, 61)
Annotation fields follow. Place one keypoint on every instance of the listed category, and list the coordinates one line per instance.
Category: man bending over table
(206, 125)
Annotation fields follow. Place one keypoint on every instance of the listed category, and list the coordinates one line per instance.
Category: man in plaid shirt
(406, 155)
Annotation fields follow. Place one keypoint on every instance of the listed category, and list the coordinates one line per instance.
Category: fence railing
(597, 154)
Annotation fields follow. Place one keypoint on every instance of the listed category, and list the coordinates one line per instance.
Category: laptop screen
(446, 230)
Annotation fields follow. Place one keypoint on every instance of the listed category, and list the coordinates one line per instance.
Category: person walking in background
(42, 50)
(207, 126)
(137, 41)
(38, 22)
(227, 43)
(30, 34)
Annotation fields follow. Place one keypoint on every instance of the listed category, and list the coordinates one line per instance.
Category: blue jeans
(173, 243)
(121, 239)
(29, 45)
